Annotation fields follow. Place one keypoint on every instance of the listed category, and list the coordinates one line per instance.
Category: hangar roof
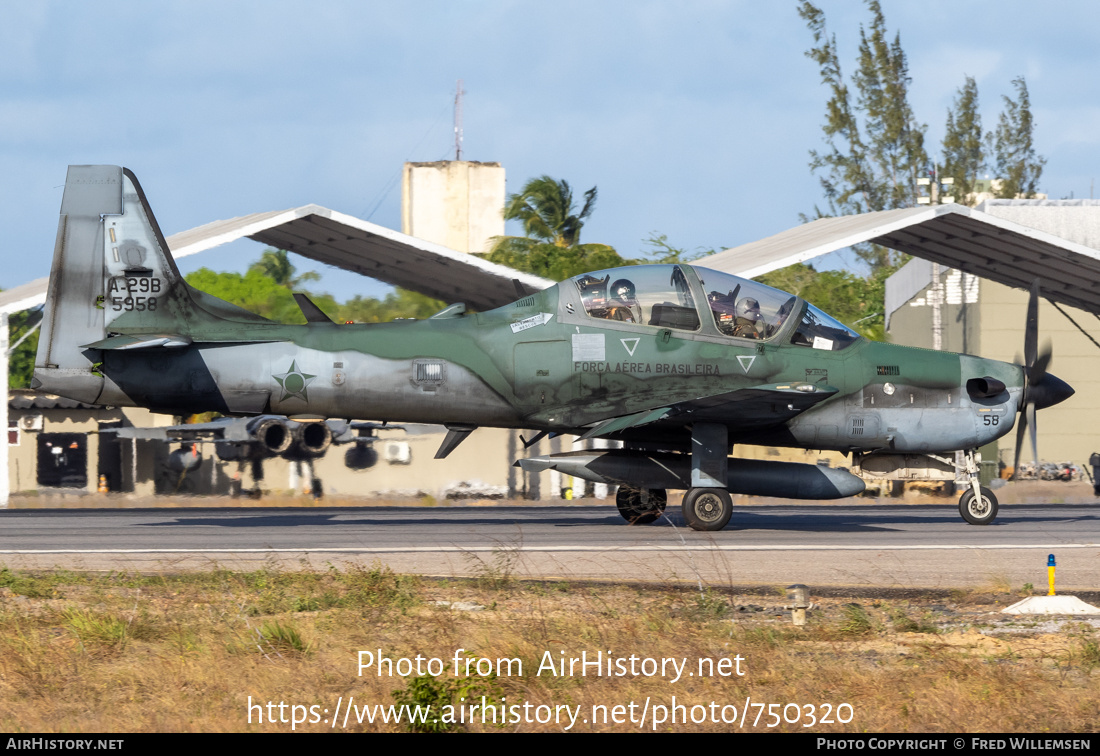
(957, 236)
(346, 242)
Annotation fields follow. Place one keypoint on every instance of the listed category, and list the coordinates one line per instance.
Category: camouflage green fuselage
(543, 363)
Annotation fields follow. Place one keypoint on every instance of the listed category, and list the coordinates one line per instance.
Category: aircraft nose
(1049, 391)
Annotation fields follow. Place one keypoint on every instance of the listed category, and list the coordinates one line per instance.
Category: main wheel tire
(707, 508)
(978, 511)
(641, 507)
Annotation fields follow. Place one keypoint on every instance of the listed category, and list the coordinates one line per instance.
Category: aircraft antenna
(458, 120)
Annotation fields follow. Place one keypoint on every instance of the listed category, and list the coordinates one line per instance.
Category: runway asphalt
(849, 545)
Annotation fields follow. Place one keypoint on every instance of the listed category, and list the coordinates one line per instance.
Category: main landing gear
(641, 506)
(704, 508)
(707, 504)
(977, 505)
(707, 508)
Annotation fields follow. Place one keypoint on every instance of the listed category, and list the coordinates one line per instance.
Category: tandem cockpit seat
(669, 315)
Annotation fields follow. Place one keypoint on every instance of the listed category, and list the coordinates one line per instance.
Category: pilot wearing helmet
(594, 294)
(749, 323)
(724, 309)
(622, 303)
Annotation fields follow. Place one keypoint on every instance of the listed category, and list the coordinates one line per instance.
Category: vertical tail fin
(113, 275)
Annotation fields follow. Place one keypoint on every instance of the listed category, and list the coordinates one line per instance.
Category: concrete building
(54, 444)
(456, 203)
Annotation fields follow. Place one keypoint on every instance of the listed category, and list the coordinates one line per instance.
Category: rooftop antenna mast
(458, 121)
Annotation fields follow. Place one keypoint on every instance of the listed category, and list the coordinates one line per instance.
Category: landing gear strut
(707, 504)
(978, 505)
(641, 506)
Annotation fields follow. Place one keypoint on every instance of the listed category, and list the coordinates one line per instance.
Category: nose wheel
(707, 508)
(641, 506)
(977, 505)
(978, 510)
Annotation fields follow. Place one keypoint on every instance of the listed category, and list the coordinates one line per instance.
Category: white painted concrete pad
(1051, 605)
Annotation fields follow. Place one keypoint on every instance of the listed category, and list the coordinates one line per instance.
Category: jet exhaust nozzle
(272, 434)
(313, 438)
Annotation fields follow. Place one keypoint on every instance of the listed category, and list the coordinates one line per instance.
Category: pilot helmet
(591, 286)
(749, 308)
(622, 289)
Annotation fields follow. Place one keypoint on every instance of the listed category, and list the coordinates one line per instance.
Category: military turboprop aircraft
(678, 362)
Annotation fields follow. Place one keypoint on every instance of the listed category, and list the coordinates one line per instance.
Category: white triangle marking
(631, 346)
(746, 361)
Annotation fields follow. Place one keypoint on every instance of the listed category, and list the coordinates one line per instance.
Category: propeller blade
(1031, 330)
(1032, 426)
(1036, 372)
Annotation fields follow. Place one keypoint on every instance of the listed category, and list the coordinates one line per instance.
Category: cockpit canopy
(686, 298)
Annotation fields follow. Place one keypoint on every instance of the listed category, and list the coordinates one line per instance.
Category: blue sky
(694, 119)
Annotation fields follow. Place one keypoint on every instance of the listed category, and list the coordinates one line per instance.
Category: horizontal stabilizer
(140, 342)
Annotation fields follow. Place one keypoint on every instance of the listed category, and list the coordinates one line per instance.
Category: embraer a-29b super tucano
(677, 362)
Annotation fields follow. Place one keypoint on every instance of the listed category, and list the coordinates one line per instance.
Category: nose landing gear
(977, 505)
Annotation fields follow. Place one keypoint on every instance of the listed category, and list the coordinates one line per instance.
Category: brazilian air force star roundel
(294, 383)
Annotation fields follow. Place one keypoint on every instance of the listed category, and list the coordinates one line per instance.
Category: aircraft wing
(238, 430)
(753, 407)
(228, 429)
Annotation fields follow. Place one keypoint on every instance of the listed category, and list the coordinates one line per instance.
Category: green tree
(896, 139)
(854, 300)
(400, 303)
(1016, 163)
(256, 292)
(21, 361)
(875, 147)
(276, 265)
(963, 153)
(661, 252)
(552, 224)
(546, 209)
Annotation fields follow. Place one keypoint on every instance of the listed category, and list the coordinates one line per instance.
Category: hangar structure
(960, 237)
(963, 238)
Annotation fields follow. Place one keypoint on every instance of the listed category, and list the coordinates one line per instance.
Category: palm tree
(552, 225)
(545, 207)
(276, 265)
